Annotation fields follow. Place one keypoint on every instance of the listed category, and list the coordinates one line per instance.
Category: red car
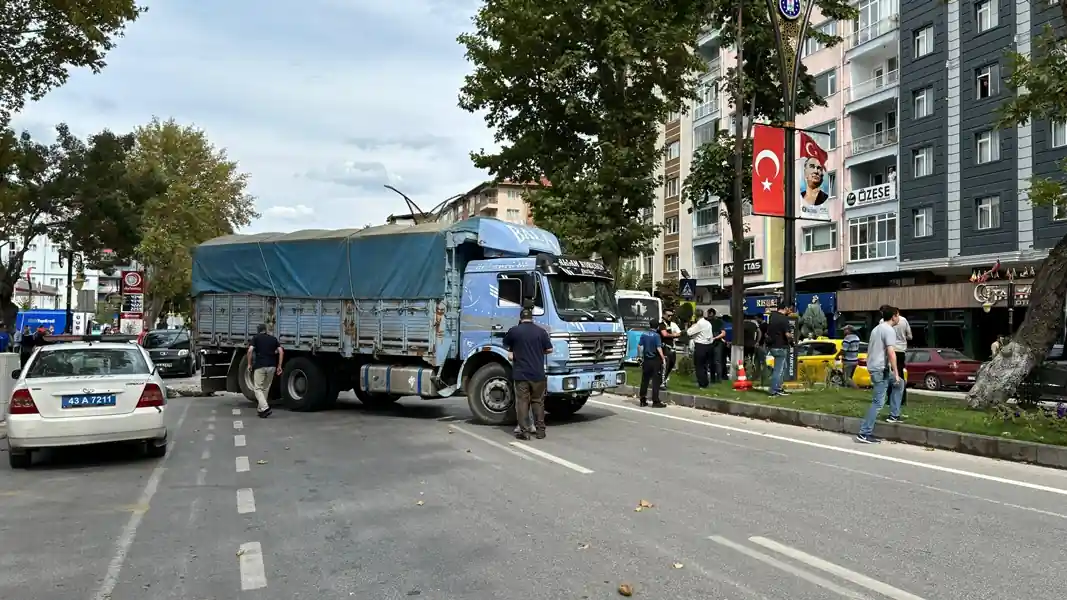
(936, 368)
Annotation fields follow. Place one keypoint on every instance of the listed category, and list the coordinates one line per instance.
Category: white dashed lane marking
(242, 464)
(246, 501)
(239, 441)
(238, 425)
(236, 412)
(253, 574)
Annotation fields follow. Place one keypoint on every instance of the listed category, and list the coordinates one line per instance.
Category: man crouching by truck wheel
(264, 366)
(527, 345)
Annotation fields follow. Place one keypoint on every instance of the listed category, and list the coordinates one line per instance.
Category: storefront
(827, 301)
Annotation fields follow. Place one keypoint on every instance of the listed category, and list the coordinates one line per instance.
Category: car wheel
(156, 448)
(932, 382)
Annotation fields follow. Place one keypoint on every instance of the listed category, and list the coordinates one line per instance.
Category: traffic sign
(687, 288)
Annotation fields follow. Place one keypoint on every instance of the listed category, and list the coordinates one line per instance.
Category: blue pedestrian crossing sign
(687, 288)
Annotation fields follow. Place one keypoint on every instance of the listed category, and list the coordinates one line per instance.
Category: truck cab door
(510, 295)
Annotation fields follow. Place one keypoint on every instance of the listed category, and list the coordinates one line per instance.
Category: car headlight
(183, 352)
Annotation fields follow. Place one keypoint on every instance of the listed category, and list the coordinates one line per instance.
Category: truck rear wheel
(564, 406)
(244, 381)
(491, 396)
(305, 385)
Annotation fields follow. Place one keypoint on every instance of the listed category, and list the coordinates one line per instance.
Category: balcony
(709, 274)
(706, 109)
(709, 42)
(871, 147)
(875, 39)
(874, 91)
(705, 233)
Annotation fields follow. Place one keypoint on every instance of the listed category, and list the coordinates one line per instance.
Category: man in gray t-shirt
(885, 374)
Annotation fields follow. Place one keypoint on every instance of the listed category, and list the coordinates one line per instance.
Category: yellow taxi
(817, 355)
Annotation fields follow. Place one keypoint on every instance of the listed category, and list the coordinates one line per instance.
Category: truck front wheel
(491, 396)
(564, 406)
(305, 386)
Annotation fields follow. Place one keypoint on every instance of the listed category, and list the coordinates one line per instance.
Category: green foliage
(668, 293)
(1039, 86)
(813, 321)
(712, 175)
(627, 277)
(576, 93)
(685, 366)
(685, 314)
(41, 40)
(205, 198)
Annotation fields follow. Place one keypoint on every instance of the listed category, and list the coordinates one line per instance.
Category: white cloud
(323, 104)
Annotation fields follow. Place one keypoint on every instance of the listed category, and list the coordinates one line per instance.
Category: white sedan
(74, 394)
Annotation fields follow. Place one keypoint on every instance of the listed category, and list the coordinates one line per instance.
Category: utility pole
(68, 327)
(737, 293)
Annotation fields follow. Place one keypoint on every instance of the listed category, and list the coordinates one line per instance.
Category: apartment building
(503, 201)
(43, 281)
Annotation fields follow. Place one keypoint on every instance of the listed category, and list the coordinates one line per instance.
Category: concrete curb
(969, 443)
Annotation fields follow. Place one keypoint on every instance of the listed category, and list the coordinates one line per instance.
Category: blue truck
(405, 310)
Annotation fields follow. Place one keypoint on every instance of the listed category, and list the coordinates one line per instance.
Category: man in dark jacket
(652, 361)
(527, 344)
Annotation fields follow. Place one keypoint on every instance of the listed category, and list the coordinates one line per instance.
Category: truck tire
(563, 406)
(376, 401)
(244, 380)
(305, 385)
(491, 396)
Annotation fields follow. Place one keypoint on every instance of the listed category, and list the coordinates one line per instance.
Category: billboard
(813, 186)
(131, 313)
(812, 192)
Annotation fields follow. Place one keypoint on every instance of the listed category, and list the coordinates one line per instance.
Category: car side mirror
(16, 374)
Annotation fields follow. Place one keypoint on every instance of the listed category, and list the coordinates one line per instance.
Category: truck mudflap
(215, 371)
(593, 381)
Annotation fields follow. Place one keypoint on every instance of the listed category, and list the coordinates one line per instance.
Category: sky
(321, 102)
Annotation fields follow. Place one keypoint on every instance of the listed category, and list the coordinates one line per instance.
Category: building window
(647, 214)
(924, 41)
(920, 102)
(750, 248)
(831, 130)
(922, 161)
(985, 14)
(648, 265)
(672, 117)
(670, 263)
(987, 213)
(922, 222)
(514, 215)
(56, 282)
(670, 188)
(1059, 134)
(670, 225)
(1059, 210)
(987, 81)
(811, 45)
(674, 150)
(831, 183)
(826, 83)
(820, 238)
(873, 237)
(986, 147)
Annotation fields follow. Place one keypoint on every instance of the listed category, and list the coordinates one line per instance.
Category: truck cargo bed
(370, 327)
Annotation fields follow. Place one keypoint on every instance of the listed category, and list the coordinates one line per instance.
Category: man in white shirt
(702, 336)
(903, 332)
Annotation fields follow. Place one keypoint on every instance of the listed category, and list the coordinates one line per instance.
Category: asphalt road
(417, 502)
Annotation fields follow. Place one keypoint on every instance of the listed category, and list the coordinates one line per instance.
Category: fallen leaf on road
(645, 504)
(928, 449)
(287, 447)
(261, 462)
(450, 431)
(420, 503)
(626, 590)
(638, 509)
(583, 546)
(241, 552)
(678, 565)
(468, 449)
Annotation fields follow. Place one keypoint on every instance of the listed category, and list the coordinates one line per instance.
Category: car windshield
(952, 354)
(165, 338)
(592, 296)
(73, 362)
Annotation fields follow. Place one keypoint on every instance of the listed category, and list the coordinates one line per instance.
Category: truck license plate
(600, 384)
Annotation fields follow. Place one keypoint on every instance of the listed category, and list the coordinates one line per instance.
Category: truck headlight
(570, 383)
(620, 378)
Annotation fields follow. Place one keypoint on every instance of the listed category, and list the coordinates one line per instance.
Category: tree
(812, 322)
(78, 194)
(41, 40)
(755, 93)
(205, 198)
(667, 291)
(1039, 83)
(576, 93)
(627, 277)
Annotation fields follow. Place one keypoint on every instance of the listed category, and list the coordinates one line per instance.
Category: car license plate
(600, 384)
(970, 378)
(164, 365)
(88, 400)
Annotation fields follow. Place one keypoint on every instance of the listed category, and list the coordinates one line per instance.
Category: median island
(1045, 426)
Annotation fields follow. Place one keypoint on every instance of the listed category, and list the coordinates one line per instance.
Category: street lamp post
(790, 21)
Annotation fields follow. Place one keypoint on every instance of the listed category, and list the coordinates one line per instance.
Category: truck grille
(595, 348)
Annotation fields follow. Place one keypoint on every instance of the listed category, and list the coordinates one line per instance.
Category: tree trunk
(999, 378)
(153, 308)
(8, 309)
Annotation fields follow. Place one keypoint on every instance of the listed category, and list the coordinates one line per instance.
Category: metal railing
(710, 272)
(874, 30)
(710, 229)
(871, 142)
(873, 85)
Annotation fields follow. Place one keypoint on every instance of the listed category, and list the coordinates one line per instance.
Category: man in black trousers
(703, 335)
(652, 362)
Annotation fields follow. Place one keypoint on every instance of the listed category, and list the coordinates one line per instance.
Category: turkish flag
(768, 174)
(809, 148)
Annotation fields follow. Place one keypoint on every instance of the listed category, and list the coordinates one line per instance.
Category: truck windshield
(590, 297)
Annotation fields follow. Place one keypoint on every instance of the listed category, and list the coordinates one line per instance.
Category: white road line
(214, 410)
(209, 437)
(492, 443)
(211, 427)
(246, 501)
(211, 419)
(253, 575)
(446, 419)
(236, 412)
(552, 458)
(206, 454)
(710, 439)
(837, 570)
(239, 441)
(788, 568)
(893, 459)
(943, 490)
(201, 476)
(238, 425)
(129, 532)
(242, 464)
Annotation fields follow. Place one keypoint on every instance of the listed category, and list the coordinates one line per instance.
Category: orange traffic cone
(742, 384)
